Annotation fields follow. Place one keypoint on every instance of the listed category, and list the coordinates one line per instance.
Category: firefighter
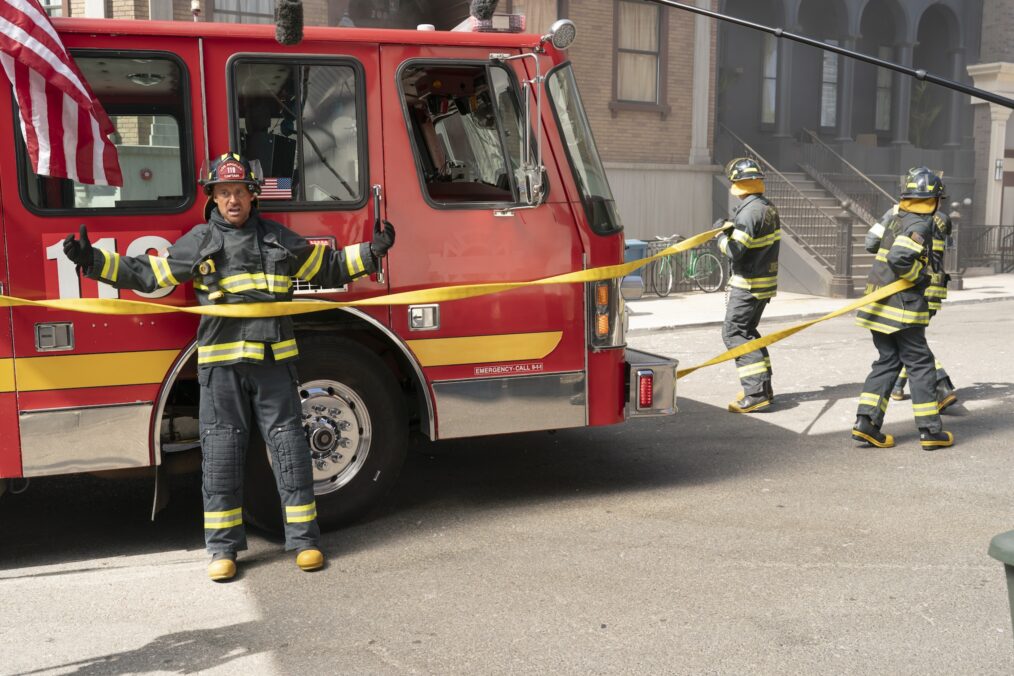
(898, 322)
(936, 293)
(245, 365)
(751, 242)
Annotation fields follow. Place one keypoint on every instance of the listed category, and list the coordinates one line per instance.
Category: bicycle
(703, 268)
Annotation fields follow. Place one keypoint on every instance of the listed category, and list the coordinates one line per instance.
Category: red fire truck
(474, 143)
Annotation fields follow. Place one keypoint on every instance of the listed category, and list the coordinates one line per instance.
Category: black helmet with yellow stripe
(743, 169)
(922, 183)
(231, 168)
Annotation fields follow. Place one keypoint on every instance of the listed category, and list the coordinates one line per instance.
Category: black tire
(663, 277)
(709, 275)
(338, 374)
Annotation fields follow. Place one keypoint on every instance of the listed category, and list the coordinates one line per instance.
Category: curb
(792, 318)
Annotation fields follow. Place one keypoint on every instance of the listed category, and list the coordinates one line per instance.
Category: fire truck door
(506, 362)
(10, 456)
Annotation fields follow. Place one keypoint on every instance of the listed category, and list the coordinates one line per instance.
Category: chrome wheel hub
(338, 428)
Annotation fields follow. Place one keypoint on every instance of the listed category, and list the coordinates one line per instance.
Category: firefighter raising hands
(245, 365)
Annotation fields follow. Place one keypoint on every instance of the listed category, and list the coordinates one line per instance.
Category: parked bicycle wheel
(663, 278)
(708, 273)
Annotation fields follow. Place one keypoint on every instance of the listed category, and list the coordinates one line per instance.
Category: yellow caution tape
(771, 338)
(437, 295)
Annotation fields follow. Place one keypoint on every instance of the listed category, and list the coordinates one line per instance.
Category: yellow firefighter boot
(222, 566)
(310, 559)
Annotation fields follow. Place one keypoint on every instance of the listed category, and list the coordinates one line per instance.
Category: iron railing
(813, 229)
(985, 246)
(867, 200)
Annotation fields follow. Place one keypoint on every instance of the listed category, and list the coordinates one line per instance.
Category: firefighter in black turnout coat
(751, 242)
(898, 323)
(245, 365)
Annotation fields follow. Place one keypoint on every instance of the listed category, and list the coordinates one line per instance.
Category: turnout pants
(941, 375)
(233, 398)
(908, 348)
(742, 315)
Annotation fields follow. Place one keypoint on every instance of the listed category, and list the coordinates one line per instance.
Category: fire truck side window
(466, 131)
(144, 95)
(301, 120)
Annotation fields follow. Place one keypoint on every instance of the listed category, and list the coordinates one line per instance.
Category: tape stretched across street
(447, 293)
(115, 306)
(771, 338)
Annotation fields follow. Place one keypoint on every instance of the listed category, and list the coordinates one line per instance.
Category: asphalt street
(704, 543)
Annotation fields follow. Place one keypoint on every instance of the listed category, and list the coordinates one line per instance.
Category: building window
(539, 14)
(641, 36)
(769, 79)
(885, 81)
(56, 7)
(244, 11)
(829, 88)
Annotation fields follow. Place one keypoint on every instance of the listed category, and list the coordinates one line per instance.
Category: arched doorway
(873, 113)
(938, 37)
(815, 72)
(748, 72)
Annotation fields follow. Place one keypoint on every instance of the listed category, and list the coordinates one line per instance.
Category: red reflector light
(645, 389)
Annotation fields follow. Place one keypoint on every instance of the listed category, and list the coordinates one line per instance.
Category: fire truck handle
(378, 226)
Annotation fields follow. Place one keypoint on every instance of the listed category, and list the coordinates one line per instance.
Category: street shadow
(184, 652)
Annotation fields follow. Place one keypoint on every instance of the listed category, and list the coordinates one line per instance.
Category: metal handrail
(841, 178)
(800, 217)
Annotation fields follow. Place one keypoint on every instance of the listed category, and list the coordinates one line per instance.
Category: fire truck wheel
(355, 420)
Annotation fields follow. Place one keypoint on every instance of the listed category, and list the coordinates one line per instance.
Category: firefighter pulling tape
(448, 293)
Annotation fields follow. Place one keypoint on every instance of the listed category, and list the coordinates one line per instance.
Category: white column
(699, 151)
(997, 144)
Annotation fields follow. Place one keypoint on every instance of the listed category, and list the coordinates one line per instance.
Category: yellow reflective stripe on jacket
(163, 274)
(876, 326)
(354, 260)
(756, 242)
(913, 273)
(909, 243)
(723, 245)
(312, 265)
(226, 519)
(897, 314)
(300, 513)
(939, 245)
(243, 349)
(927, 409)
(752, 283)
(110, 266)
(936, 292)
(285, 349)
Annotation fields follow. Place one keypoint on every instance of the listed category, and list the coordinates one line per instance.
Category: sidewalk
(652, 313)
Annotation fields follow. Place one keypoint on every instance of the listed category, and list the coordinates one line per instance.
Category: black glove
(383, 239)
(80, 252)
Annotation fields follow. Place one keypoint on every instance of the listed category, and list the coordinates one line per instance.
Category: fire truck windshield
(589, 174)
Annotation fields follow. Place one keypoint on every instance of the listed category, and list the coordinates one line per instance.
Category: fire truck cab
(475, 144)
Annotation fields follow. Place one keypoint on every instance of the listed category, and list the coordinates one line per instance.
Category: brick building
(645, 81)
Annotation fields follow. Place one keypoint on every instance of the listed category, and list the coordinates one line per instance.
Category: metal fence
(813, 229)
(838, 176)
(985, 246)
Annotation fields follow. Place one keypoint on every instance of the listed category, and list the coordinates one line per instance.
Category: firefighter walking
(751, 242)
(898, 322)
(245, 365)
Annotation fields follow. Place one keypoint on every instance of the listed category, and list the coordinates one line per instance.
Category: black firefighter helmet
(229, 168)
(743, 169)
(922, 183)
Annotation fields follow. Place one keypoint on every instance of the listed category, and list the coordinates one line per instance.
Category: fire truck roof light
(500, 23)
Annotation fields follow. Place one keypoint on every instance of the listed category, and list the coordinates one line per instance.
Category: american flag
(276, 189)
(64, 126)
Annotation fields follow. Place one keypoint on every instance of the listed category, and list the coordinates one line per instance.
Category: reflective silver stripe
(913, 273)
(312, 265)
(752, 369)
(908, 243)
(226, 519)
(246, 281)
(758, 242)
(163, 274)
(354, 260)
(285, 349)
(210, 354)
(927, 409)
(300, 513)
(111, 265)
